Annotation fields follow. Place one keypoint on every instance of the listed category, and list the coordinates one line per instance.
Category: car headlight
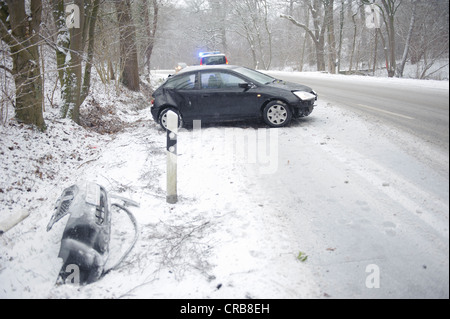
(304, 96)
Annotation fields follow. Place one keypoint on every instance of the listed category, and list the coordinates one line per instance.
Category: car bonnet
(290, 86)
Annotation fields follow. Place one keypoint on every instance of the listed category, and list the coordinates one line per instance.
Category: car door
(182, 92)
(222, 98)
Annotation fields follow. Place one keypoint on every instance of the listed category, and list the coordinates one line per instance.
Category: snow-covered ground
(227, 237)
(208, 245)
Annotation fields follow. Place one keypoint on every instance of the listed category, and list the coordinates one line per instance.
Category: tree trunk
(63, 38)
(391, 34)
(128, 50)
(352, 55)
(320, 54)
(390, 8)
(329, 18)
(319, 32)
(341, 33)
(302, 54)
(150, 29)
(71, 90)
(317, 35)
(408, 40)
(69, 53)
(386, 54)
(375, 53)
(21, 32)
(266, 10)
(90, 51)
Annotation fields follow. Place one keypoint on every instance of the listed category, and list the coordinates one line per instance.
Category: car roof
(198, 68)
(212, 54)
(215, 53)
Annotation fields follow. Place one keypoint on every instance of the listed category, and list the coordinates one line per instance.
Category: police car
(212, 58)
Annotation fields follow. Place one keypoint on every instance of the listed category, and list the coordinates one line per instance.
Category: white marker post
(172, 132)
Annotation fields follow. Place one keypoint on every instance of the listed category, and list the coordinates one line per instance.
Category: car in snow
(212, 58)
(230, 93)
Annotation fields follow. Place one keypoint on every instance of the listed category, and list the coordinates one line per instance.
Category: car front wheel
(163, 118)
(277, 114)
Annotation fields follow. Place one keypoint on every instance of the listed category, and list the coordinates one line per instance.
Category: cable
(136, 236)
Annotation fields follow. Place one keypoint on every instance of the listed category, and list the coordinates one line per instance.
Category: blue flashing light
(202, 54)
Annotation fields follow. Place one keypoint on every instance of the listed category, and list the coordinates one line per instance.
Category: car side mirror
(246, 86)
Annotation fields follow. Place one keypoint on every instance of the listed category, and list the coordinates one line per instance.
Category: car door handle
(205, 95)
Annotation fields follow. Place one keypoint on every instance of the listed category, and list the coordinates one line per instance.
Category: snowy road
(367, 194)
(419, 109)
(364, 193)
(350, 210)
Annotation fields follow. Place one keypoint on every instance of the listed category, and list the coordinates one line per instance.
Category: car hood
(290, 86)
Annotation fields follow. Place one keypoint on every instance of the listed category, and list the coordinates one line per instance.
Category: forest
(62, 46)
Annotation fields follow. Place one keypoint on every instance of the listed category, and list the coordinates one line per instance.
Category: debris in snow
(101, 119)
(8, 223)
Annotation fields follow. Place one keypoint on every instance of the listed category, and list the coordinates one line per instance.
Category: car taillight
(152, 101)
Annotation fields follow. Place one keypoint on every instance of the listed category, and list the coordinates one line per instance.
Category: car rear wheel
(277, 114)
(163, 118)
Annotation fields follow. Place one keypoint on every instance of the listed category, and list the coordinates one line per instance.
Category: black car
(230, 93)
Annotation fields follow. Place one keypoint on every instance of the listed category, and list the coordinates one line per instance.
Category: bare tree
(150, 23)
(317, 31)
(70, 47)
(20, 29)
(69, 54)
(252, 23)
(389, 9)
(329, 21)
(355, 30)
(106, 49)
(92, 21)
(341, 34)
(430, 41)
(401, 67)
(128, 50)
(219, 15)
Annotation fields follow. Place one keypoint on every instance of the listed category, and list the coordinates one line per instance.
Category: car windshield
(214, 60)
(255, 75)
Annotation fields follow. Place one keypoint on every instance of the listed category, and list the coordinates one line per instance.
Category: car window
(214, 60)
(211, 80)
(231, 81)
(220, 80)
(255, 75)
(181, 82)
